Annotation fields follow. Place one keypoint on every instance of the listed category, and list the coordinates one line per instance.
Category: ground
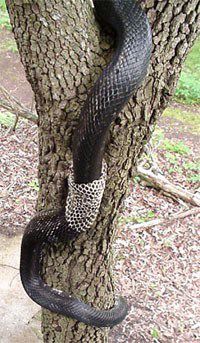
(156, 269)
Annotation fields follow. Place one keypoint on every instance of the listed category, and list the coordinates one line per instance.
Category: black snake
(119, 80)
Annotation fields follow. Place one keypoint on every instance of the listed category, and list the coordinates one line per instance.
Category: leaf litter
(157, 269)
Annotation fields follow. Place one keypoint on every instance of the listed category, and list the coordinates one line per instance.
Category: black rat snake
(113, 89)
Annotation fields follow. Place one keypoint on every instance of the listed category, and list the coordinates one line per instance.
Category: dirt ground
(20, 317)
(157, 269)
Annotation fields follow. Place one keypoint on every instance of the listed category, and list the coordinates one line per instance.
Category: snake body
(118, 82)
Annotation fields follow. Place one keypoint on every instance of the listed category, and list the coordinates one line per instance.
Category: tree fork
(63, 51)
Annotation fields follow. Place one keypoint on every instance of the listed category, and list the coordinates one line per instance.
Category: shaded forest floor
(157, 269)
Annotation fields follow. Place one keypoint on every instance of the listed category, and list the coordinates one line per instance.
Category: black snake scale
(113, 89)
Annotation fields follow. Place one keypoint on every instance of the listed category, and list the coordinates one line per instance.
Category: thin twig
(7, 265)
(14, 277)
(180, 215)
(16, 121)
(13, 105)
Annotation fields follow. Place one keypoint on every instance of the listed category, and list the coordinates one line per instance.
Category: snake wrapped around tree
(118, 82)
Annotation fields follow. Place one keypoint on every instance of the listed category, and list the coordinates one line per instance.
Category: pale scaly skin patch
(83, 201)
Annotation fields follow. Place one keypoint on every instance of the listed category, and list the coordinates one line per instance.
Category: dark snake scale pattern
(118, 82)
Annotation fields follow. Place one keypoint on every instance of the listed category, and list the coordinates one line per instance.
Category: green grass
(7, 119)
(173, 159)
(34, 184)
(4, 17)
(177, 147)
(155, 333)
(191, 119)
(135, 219)
(157, 137)
(9, 45)
(188, 88)
(194, 166)
(178, 158)
(194, 179)
(148, 216)
(4, 20)
(177, 155)
(2, 5)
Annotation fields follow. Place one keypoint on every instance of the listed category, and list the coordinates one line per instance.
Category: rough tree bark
(63, 51)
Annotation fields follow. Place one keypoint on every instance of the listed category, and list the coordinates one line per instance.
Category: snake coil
(119, 80)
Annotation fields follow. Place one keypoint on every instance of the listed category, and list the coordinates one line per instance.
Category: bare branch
(180, 215)
(14, 106)
(158, 181)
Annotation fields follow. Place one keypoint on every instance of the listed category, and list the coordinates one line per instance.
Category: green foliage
(3, 5)
(137, 219)
(178, 157)
(175, 169)
(9, 45)
(4, 20)
(179, 161)
(188, 88)
(177, 147)
(7, 119)
(4, 17)
(155, 333)
(189, 118)
(194, 178)
(192, 166)
(158, 136)
(136, 179)
(145, 218)
(34, 184)
(171, 158)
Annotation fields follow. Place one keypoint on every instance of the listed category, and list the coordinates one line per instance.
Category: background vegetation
(188, 88)
(161, 259)
(187, 93)
(4, 18)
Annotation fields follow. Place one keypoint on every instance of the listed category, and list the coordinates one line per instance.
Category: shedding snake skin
(118, 82)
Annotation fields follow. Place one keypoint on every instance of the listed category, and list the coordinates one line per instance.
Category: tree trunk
(63, 51)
